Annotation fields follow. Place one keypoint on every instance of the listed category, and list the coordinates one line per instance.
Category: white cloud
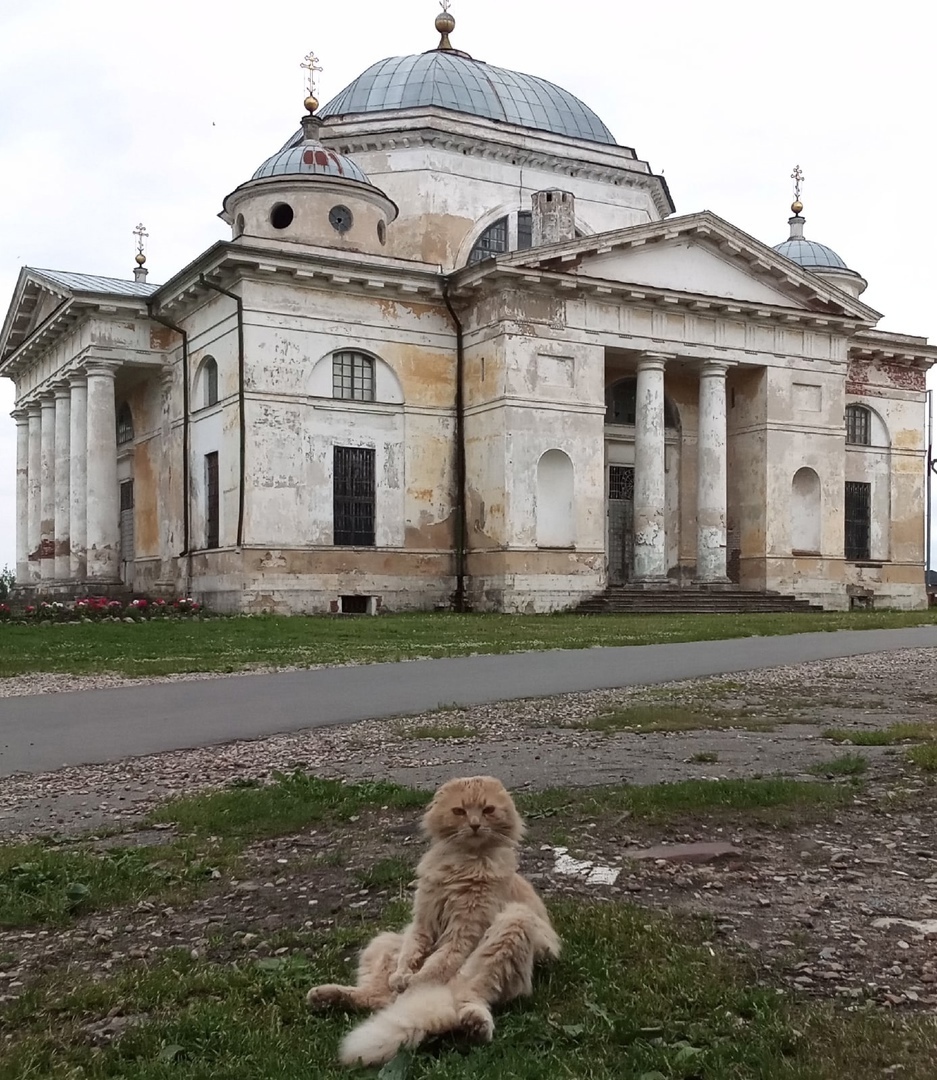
(123, 112)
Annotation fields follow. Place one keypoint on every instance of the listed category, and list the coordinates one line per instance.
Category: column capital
(78, 377)
(47, 399)
(715, 368)
(654, 359)
(20, 415)
(106, 368)
(32, 406)
(61, 389)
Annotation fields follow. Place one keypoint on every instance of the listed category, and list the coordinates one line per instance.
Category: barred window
(493, 241)
(352, 376)
(353, 496)
(858, 520)
(858, 425)
(124, 425)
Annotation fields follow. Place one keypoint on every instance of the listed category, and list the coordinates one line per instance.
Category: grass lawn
(224, 645)
(637, 995)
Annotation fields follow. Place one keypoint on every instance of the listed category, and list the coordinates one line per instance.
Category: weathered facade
(458, 349)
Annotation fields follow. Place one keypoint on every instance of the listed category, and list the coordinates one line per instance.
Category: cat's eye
(489, 810)
(458, 811)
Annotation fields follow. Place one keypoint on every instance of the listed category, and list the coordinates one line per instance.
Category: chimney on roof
(554, 217)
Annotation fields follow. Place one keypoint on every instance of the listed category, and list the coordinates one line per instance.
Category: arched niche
(806, 519)
(556, 523)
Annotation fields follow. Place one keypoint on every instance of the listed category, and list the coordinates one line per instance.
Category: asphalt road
(44, 732)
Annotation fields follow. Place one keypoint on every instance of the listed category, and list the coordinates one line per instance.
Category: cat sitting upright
(477, 929)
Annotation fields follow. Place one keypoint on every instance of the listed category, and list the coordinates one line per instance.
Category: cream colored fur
(477, 929)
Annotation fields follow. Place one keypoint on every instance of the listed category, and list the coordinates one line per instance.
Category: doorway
(620, 523)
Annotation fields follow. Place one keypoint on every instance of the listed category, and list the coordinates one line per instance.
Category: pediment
(698, 255)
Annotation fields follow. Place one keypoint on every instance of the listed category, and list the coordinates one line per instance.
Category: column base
(651, 582)
(716, 583)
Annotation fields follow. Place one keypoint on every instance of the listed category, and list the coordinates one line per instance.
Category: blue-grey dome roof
(810, 254)
(450, 80)
(310, 159)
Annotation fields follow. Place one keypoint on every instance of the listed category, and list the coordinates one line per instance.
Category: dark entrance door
(620, 523)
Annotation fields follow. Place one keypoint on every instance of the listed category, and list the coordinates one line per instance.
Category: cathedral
(460, 350)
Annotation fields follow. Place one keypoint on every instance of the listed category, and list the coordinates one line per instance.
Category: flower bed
(100, 609)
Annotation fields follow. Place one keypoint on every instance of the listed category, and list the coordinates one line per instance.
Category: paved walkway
(46, 731)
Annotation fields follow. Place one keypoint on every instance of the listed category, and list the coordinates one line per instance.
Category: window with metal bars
(211, 501)
(352, 376)
(124, 425)
(353, 496)
(126, 495)
(493, 241)
(858, 520)
(858, 425)
(621, 482)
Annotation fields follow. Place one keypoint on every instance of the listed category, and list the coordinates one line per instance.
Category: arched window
(493, 241)
(858, 425)
(556, 524)
(124, 425)
(805, 511)
(352, 376)
(208, 382)
(621, 404)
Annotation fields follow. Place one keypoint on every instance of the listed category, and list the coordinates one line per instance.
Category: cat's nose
(476, 825)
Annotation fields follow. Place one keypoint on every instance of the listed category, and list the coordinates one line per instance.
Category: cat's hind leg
(501, 965)
(372, 990)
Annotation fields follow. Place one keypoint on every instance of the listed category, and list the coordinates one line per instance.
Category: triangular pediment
(697, 255)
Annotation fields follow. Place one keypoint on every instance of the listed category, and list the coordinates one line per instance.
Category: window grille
(493, 241)
(211, 501)
(858, 425)
(352, 376)
(353, 496)
(858, 520)
(124, 425)
(621, 482)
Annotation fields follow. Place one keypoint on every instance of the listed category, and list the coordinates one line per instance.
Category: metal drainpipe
(242, 478)
(186, 552)
(929, 520)
(461, 537)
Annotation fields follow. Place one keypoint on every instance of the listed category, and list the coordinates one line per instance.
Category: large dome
(452, 80)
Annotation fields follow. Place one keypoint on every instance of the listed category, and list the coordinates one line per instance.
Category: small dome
(452, 80)
(810, 254)
(310, 159)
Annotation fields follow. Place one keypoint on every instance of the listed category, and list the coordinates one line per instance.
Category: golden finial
(140, 233)
(312, 66)
(798, 177)
(445, 24)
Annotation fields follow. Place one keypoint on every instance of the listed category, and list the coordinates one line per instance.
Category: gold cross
(140, 232)
(798, 177)
(311, 64)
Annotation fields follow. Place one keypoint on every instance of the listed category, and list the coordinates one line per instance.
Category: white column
(47, 496)
(650, 542)
(78, 476)
(166, 581)
(21, 417)
(34, 522)
(103, 508)
(62, 470)
(711, 474)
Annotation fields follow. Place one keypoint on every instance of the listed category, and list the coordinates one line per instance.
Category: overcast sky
(113, 113)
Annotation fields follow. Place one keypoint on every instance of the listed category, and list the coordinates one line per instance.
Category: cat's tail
(418, 1013)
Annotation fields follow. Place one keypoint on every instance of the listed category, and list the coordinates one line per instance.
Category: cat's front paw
(475, 1021)
(399, 981)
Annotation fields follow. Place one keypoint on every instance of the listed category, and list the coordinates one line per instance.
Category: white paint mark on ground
(922, 926)
(589, 872)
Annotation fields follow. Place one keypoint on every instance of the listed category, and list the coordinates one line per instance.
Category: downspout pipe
(242, 424)
(186, 546)
(461, 536)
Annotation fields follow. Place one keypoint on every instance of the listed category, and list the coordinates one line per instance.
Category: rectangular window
(858, 520)
(352, 377)
(525, 227)
(858, 428)
(353, 496)
(211, 500)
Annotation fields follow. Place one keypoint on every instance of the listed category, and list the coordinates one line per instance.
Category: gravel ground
(834, 907)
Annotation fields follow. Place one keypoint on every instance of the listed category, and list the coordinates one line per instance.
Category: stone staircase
(701, 599)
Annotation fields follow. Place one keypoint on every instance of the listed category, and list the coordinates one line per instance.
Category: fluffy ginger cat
(477, 929)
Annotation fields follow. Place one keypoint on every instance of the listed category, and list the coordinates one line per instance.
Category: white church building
(459, 349)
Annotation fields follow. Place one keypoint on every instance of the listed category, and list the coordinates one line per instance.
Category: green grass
(661, 802)
(847, 765)
(674, 1010)
(392, 873)
(225, 645)
(925, 757)
(895, 733)
(645, 719)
